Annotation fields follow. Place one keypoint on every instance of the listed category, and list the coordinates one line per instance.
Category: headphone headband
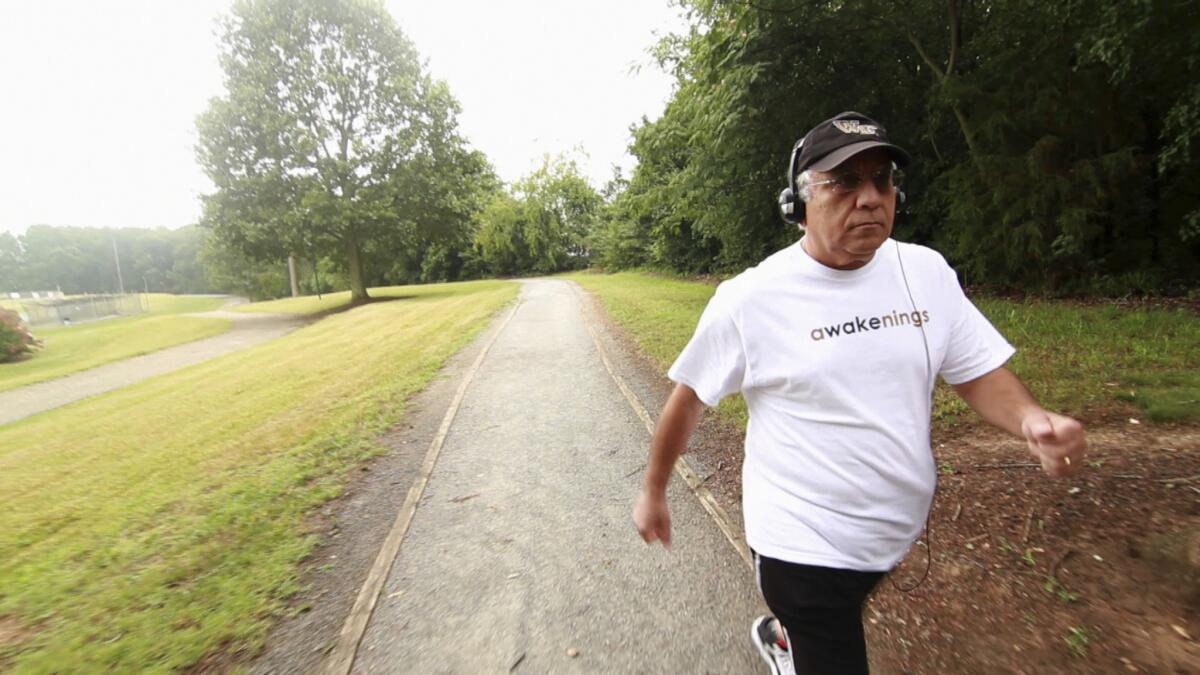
(792, 163)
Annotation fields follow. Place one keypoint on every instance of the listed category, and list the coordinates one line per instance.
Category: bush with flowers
(15, 339)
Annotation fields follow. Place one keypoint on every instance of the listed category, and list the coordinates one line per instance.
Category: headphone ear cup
(787, 207)
(791, 207)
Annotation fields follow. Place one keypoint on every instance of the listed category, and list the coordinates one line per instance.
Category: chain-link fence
(79, 308)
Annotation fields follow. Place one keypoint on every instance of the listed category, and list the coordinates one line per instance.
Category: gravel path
(246, 330)
(523, 549)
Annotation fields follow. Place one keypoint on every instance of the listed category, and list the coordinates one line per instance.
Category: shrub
(15, 338)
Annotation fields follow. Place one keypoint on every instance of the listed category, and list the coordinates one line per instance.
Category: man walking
(836, 343)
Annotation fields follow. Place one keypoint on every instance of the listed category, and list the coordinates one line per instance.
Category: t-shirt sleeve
(975, 347)
(714, 361)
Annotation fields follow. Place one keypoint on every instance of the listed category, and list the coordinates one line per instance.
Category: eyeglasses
(885, 180)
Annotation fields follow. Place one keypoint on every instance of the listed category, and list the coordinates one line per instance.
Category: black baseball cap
(841, 137)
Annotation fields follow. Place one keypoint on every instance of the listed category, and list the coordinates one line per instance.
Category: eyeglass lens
(884, 180)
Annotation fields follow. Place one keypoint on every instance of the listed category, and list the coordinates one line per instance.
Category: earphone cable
(930, 378)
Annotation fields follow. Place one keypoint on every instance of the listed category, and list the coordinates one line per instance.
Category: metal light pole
(117, 257)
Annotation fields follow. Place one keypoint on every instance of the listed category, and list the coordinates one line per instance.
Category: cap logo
(854, 127)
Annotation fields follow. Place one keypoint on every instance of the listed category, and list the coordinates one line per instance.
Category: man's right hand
(652, 517)
(680, 416)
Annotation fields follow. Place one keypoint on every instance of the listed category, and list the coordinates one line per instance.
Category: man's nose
(868, 195)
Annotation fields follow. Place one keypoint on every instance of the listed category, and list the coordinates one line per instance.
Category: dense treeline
(544, 223)
(82, 260)
(1055, 147)
(1055, 143)
(184, 260)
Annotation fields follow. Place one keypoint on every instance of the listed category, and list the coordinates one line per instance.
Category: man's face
(843, 228)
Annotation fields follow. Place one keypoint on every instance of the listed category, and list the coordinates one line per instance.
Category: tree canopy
(545, 225)
(1055, 143)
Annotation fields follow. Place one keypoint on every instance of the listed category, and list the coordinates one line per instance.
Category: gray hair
(804, 185)
(804, 192)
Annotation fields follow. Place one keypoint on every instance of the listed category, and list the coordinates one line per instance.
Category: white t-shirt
(833, 366)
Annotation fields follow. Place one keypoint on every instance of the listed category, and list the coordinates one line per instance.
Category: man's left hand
(1057, 440)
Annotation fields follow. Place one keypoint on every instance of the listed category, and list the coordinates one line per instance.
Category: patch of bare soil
(1095, 573)
(13, 634)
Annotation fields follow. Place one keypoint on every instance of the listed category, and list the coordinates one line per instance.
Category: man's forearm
(999, 398)
(679, 418)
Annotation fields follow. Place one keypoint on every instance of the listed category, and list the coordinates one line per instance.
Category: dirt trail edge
(521, 553)
(246, 330)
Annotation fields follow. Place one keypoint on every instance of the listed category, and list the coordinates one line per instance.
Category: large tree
(331, 139)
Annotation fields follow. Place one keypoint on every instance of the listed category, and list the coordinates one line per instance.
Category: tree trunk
(942, 75)
(358, 289)
(292, 276)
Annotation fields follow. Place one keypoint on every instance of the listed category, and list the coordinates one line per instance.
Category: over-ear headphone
(791, 206)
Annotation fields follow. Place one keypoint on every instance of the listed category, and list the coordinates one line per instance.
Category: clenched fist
(1057, 440)
(652, 517)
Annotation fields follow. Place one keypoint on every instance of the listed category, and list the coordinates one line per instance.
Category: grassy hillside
(70, 349)
(147, 527)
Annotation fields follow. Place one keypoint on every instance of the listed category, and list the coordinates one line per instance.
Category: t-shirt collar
(809, 265)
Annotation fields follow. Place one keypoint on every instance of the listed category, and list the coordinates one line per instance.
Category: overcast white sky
(98, 98)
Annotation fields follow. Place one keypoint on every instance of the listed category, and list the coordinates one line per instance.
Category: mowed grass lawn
(311, 304)
(70, 349)
(1085, 360)
(146, 528)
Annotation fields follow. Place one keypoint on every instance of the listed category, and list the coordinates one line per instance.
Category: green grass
(148, 527)
(661, 315)
(70, 349)
(159, 303)
(1081, 360)
(165, 303)
(310, 304)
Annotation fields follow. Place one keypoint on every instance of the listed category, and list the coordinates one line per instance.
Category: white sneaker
(778, 659)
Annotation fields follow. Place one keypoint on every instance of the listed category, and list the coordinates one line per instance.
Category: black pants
(820, 608)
